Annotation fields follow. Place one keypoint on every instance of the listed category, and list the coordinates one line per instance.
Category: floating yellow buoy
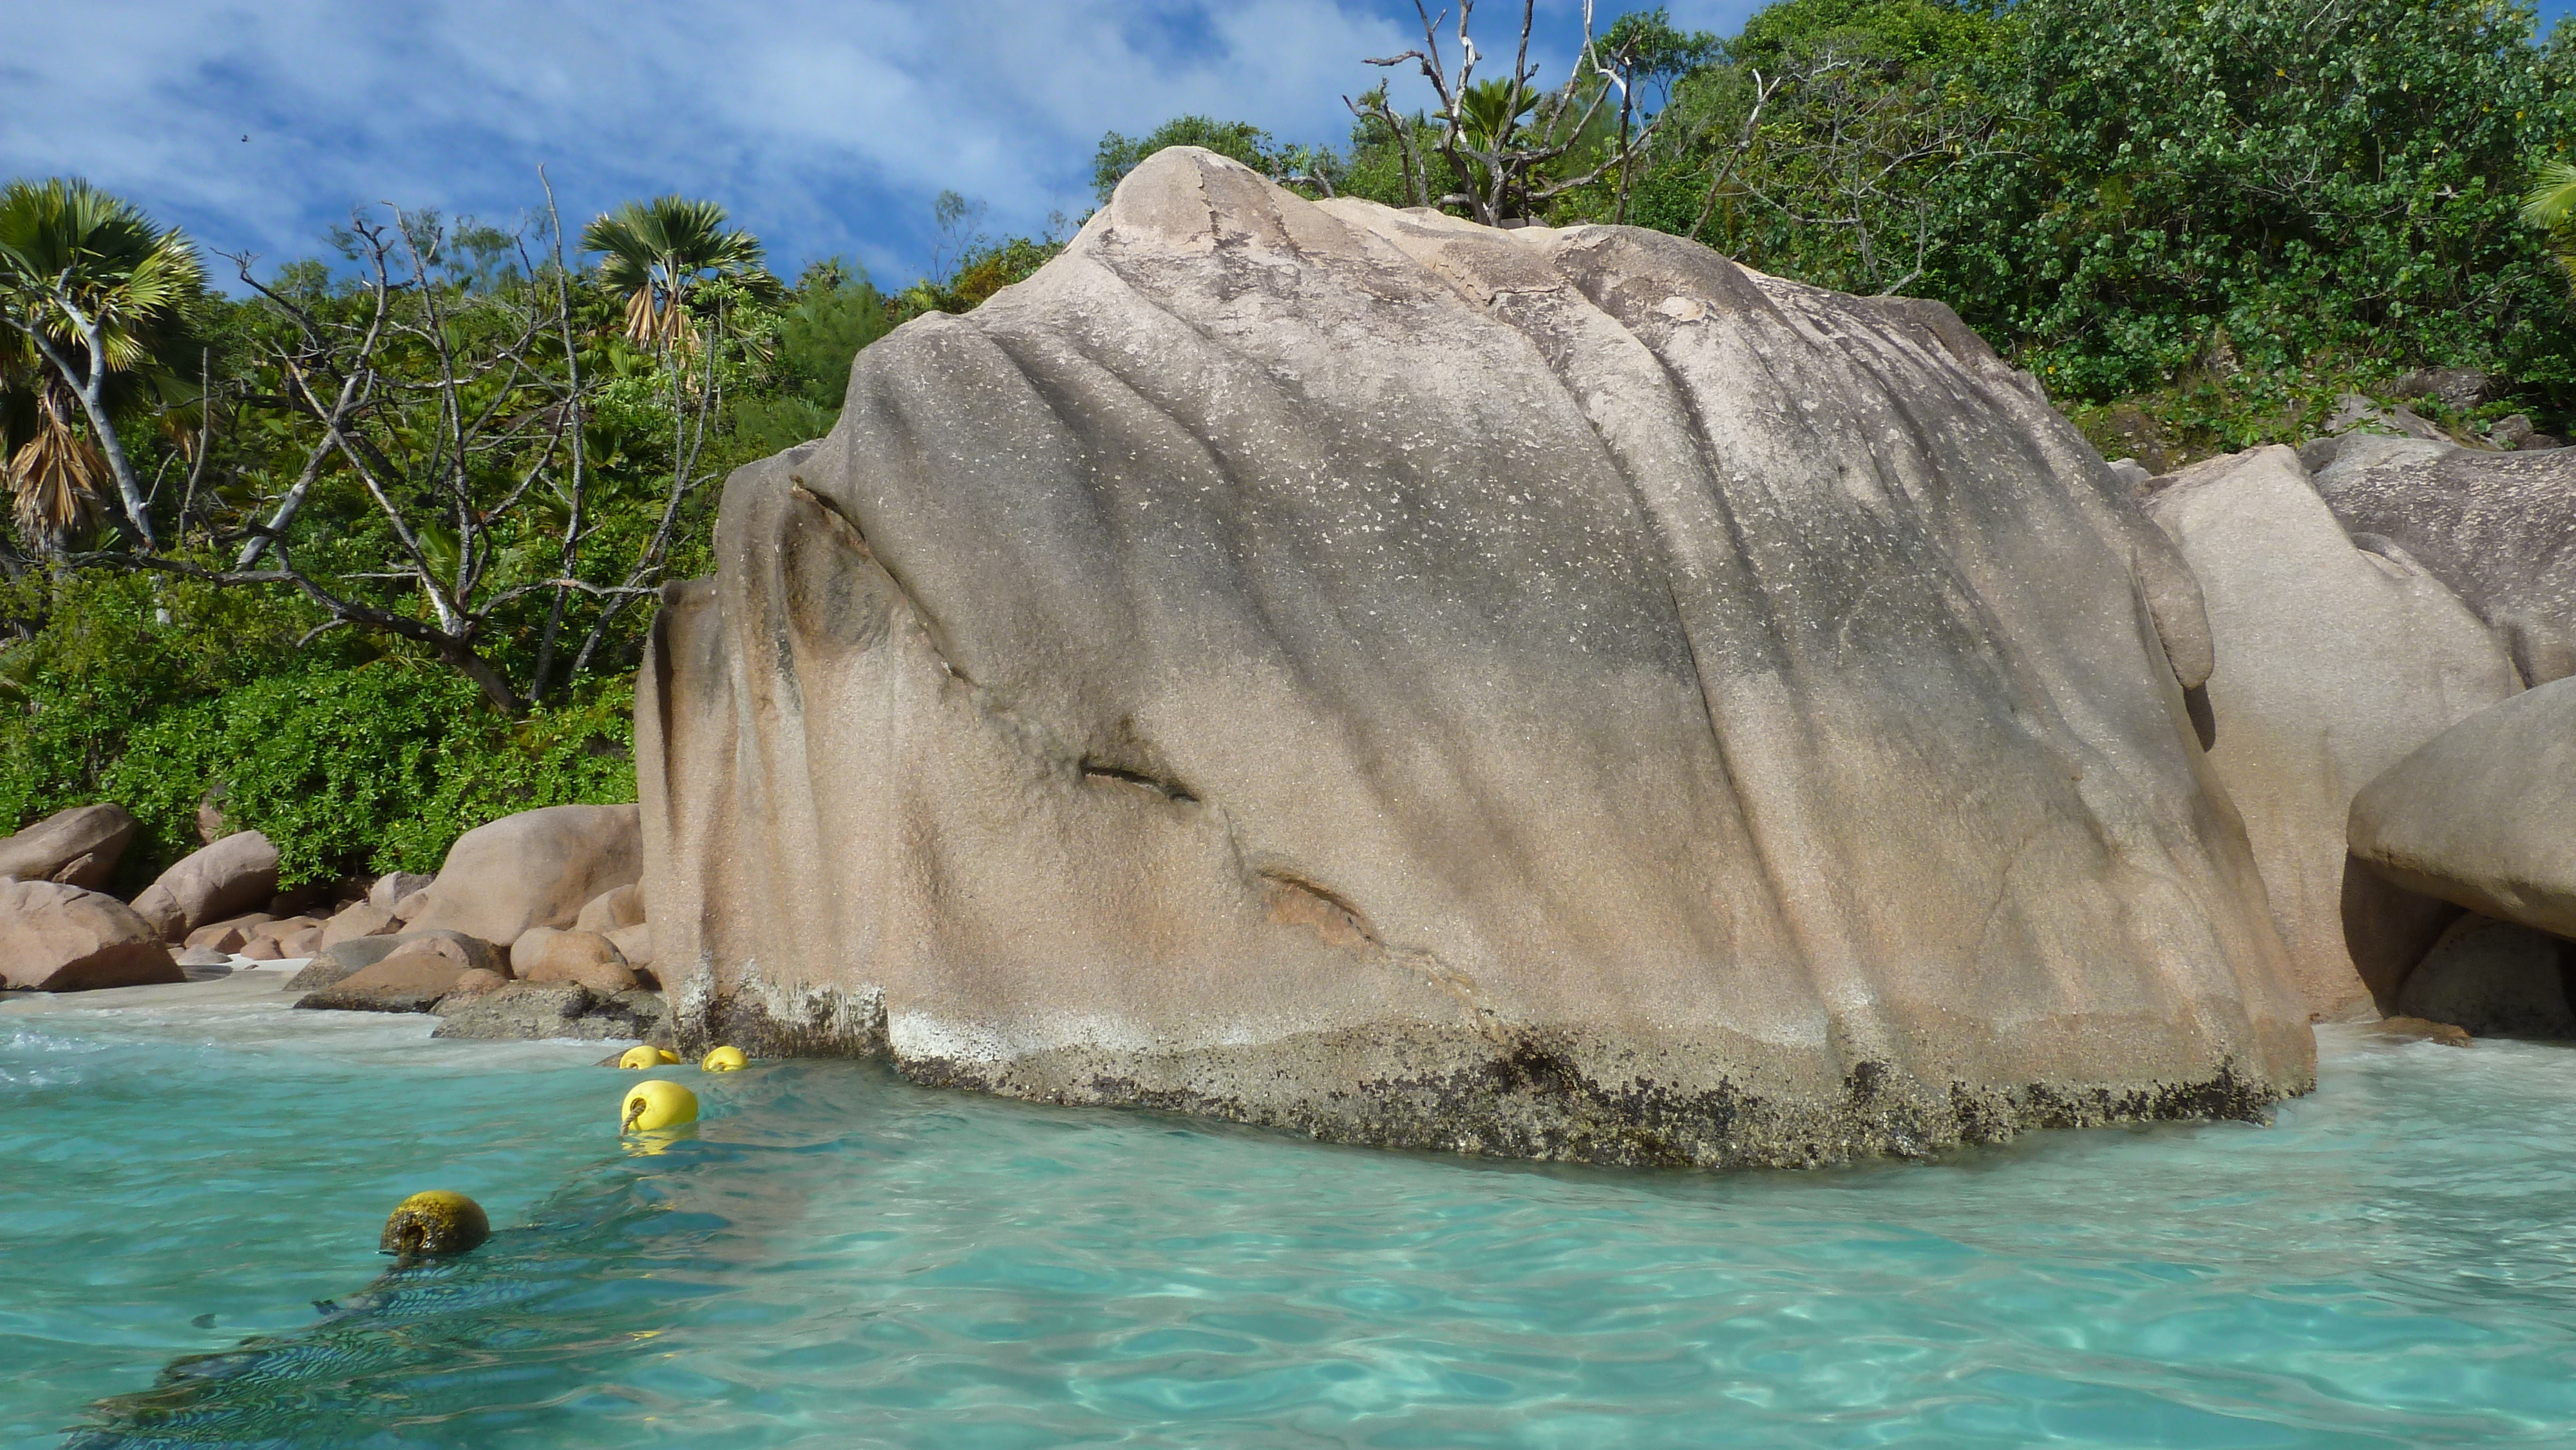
(726, 1059)
(647, 1057)
(653, 1104)
(436, 1222)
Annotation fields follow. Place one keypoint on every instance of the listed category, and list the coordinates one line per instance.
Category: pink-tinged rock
(363, 918)
(230, 934)
(537, 868)
(231, 876)
(612, 910)
(57, 938)
(575, 956)
(78, 847)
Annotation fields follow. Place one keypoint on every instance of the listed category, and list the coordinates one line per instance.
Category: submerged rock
(2332, 662)
(1535, 692)
(534, 1011)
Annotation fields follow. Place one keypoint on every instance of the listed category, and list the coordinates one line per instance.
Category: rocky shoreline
(1539, 693)
(533, 928)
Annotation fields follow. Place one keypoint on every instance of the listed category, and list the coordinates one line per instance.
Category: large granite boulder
(2332, 664)
(536, 868)
(2484, 814)
(1536, 692)
(234, 875)
(57, 938)
(78, 847)
(2499, 528)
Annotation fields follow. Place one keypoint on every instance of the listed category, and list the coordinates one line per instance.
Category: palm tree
(2551, 206)
(658, 250)
(92, 297)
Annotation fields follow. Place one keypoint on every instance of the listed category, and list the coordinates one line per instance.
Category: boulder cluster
(2392, 711)
(1549, 693)
(533, 926)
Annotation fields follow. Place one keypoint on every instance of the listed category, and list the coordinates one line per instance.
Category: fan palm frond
(655, 251)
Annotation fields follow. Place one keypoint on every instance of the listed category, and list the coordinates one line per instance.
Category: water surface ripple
(836, 1258)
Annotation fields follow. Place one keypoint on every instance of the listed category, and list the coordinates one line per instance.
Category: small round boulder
(430, 1224)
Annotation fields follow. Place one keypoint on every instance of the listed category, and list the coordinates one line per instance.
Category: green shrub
(346, 756)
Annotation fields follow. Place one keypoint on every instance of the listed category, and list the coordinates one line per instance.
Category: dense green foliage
(2204, 217)
(154, 693)
(357, 747)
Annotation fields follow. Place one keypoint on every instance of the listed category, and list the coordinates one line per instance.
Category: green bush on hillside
(349, 759)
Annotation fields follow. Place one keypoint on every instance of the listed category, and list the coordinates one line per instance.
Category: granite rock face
(78, 847)
(2484, 814)
(231, 876)
(535, 868)
(1545, 693)
(2499, 528)
(58, 938)
(2332, 663)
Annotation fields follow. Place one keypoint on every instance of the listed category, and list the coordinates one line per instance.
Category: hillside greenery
(361, 550)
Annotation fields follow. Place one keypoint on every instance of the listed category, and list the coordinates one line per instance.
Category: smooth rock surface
(388, 890)
(234, 875)
(411, 979)
(634, 943)
(2332, 664)
(536, 868)
(2484, 814)
(58, 938)
(2499, 528)
(1544, 693)
(2495, 979)
(340, 960)
(575, 956)
(362, 918)
(78, 847)
(228, 935)
(612, 911)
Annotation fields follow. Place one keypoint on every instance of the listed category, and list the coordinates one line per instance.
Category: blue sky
(827, 126)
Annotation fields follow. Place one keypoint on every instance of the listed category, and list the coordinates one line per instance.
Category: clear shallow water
(840, 1259)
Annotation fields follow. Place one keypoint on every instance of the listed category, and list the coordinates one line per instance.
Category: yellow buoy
(725, 1059)
(653, 1104)
(436, 1222)
(647, 1057)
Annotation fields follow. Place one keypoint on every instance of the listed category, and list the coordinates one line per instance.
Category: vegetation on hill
(365, 554)
(2197, 221)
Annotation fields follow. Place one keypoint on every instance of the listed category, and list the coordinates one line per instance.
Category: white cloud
(824, 126)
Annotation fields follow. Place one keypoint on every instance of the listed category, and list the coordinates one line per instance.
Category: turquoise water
(837, 1258)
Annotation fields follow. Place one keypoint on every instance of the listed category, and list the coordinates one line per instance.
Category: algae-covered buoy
(725, 1059)
(653, 1104)
(436, 1222)
(647, 1057)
